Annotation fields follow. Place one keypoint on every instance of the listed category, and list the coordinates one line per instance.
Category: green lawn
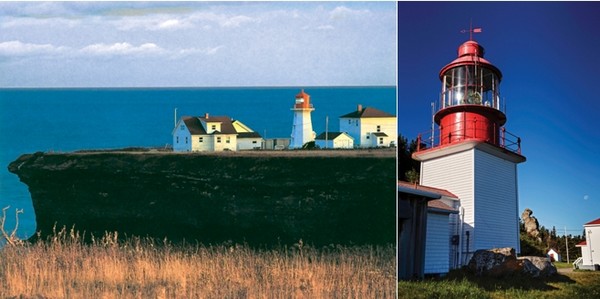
(460, 285)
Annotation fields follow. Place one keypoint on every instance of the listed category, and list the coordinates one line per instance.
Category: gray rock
(543, 264)
(499, 262)
(531, 224)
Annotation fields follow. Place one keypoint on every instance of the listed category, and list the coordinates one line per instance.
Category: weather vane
(472, 30)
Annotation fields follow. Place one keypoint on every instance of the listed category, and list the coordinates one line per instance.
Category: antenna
(175, 118)
(432, 123)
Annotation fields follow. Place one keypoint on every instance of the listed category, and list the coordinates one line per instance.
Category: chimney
(206, 115)
(359, 108)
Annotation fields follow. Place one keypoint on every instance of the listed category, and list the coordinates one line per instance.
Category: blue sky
(549, 54)
(140, 44)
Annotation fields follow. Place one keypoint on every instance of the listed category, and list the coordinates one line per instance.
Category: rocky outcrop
(531, 224)
(257, 198)
(499, 262)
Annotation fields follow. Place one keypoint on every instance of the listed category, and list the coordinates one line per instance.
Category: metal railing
(431, 139)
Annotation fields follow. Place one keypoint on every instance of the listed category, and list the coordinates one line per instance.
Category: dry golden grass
(65, 267)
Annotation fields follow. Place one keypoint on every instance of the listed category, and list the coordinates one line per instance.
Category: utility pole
(567, 245)
(326, 129)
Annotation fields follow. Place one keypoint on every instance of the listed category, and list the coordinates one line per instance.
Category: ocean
(64, 120)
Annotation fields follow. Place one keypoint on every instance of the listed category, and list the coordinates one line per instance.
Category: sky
(549, 55)
(197, 44)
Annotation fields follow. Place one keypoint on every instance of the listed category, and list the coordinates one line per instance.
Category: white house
(590, 248)
(553, 255)
(213, 133)
(370, 127)
(334, 140)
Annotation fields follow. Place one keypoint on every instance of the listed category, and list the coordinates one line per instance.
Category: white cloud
(236, 21)
(122, 49)
(18, 48)
(342, 12)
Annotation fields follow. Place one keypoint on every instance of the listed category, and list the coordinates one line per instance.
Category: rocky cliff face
(259, 199)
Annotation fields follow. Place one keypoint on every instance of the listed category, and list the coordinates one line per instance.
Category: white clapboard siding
(437, 244)
(455, 174)
(496, 202)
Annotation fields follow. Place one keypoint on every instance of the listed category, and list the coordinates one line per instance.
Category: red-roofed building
(442, 226)
(590, 248)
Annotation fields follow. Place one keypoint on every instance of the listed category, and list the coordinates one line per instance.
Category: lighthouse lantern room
(473, 156)
(302, 131)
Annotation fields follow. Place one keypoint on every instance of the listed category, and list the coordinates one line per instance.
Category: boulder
(499, 262)
(542, 264)
(493, 262)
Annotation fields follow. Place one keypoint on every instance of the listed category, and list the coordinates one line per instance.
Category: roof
(248, 135)
(302, 94)
(380, 134)
(437, 205)
(441, 192)
(594, 222)
(331, 135)
(582, 243)
(194, 126)
(367, 113)
(226, 123)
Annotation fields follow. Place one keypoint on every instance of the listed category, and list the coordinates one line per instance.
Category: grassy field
(460, 285)
(64, 267)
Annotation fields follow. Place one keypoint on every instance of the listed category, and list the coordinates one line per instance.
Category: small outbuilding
(334, 140)
(553, 255)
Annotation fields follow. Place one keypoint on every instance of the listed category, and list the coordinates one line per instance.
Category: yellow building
(370, 127)
(213, 133)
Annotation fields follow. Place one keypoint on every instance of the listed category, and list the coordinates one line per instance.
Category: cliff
(258, 198)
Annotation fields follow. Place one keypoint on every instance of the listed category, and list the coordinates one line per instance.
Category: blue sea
(64, 120)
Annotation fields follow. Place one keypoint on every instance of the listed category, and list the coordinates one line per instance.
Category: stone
(493, 261)
(499, 262)
(531, 224)
(542, 264)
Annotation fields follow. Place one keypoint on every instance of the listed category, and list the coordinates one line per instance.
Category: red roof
(594, 222)
(441, 192)
(582, 243)
(302, 94)
(440, 205)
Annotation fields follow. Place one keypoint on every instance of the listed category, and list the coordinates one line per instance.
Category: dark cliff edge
(260, 199)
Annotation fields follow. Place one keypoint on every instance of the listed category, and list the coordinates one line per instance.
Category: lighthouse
(473, 156)
(302, 131)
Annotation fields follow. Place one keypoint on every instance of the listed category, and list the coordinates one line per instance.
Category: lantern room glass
(470, 85)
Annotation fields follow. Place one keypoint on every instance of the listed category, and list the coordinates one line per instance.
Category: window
(349, 121)
(182, 127)
(213, 127)
(254, 142)
(378, 128)
(186, 140)
(381, 140)
(177, 139)
(227, 139)
(200, 139)
(218, 139)
(368, 135)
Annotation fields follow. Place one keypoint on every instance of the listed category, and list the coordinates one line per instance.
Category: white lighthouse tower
(302, 131)
(473, 156)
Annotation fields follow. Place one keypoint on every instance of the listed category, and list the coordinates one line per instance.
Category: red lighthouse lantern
(470, 98)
